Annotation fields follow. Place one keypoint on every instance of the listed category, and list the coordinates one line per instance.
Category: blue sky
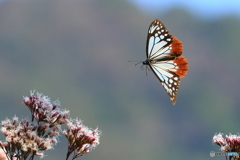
(203, 8)
(208, 9)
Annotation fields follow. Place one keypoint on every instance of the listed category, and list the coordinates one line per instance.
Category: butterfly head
(144, 63)
(147, 62)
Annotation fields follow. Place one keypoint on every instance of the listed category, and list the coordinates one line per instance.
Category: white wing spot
(169, 39)
(175, 78)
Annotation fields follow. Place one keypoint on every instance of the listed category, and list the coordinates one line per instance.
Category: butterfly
(164, 58)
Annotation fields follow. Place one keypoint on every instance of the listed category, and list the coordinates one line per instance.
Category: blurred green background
(78, 51)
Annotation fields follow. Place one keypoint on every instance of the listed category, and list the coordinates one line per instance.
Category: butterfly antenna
(138, 63)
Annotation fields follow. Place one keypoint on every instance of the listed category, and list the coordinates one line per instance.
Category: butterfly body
(151, 61)
(164, 58)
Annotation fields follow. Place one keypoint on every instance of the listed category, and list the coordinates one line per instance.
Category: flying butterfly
(164, 58)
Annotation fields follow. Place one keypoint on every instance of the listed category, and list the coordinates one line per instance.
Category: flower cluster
(81, 139)
(26, 139)
(21, 137)
(229, 143)
(43, 110)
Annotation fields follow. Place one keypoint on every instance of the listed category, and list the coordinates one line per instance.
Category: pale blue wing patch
(159, 50)
(165, 65)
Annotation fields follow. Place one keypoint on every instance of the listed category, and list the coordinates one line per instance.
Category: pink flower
(231, 143)
(81, 139)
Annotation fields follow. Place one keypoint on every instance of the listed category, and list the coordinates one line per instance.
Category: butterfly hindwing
(169, 74)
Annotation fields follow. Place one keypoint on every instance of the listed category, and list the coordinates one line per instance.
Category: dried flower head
(81, 139)
(43, 110)
(231, 143)
(22, 138)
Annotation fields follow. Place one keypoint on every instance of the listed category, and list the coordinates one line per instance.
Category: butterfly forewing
(164, 58)
(158, 40)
